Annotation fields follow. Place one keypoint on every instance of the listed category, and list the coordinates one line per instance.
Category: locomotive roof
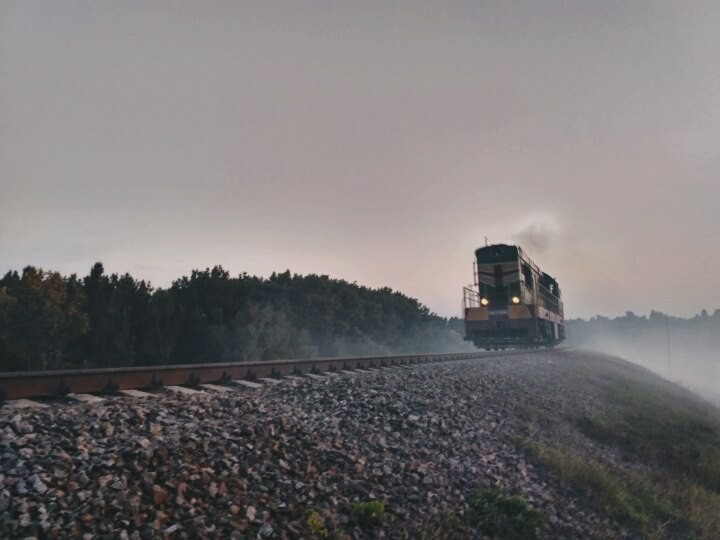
(504, 253)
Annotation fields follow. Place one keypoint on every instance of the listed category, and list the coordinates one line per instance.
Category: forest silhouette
(50, 321)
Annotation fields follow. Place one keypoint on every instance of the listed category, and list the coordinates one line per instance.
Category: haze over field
(373, 142)
(681, 350)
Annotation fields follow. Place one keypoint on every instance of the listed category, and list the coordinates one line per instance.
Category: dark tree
(111, 320)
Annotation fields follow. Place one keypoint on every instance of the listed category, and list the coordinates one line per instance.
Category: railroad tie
(25, 404)
(85, 398)
(136, 393)
(183, 390)
(248, 384)
(216, 388)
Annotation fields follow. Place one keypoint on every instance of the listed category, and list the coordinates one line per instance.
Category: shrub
(316, 524)
(498, 514)
(368, 514)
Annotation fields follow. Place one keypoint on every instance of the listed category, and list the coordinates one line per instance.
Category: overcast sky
(378, 142)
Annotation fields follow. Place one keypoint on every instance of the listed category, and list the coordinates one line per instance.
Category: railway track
(43, 384)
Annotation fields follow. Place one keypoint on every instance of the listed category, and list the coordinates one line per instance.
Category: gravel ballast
(255, 463)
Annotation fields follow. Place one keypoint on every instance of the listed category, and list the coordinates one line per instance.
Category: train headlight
(515, 299)
(484, 301)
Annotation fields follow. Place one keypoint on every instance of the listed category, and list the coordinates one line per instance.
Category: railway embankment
(549, 444)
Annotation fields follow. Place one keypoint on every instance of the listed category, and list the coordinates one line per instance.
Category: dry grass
(657, 425)
(632, 501)
(676, 434)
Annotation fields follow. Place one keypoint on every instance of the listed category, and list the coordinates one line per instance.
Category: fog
(681, 350)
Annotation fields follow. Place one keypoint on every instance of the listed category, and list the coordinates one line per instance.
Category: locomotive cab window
(527, 274)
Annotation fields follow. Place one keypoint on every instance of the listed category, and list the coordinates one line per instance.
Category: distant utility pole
(669, 355)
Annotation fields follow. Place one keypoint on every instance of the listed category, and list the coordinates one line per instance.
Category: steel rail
(33, 384)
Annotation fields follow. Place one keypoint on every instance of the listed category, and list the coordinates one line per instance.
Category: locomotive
(512, 303)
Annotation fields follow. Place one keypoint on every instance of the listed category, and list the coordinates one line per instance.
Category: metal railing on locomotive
(548, 300)
(471, 298)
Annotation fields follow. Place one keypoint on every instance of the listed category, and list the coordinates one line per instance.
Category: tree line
(632, 328)
(51, 321)
(656, 335)
(681, 349)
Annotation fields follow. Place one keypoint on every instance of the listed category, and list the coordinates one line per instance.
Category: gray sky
(373, 141)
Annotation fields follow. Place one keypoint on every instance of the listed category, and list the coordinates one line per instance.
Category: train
(512, 303)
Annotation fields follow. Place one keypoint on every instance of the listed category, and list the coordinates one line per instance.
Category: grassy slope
(648, 456)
